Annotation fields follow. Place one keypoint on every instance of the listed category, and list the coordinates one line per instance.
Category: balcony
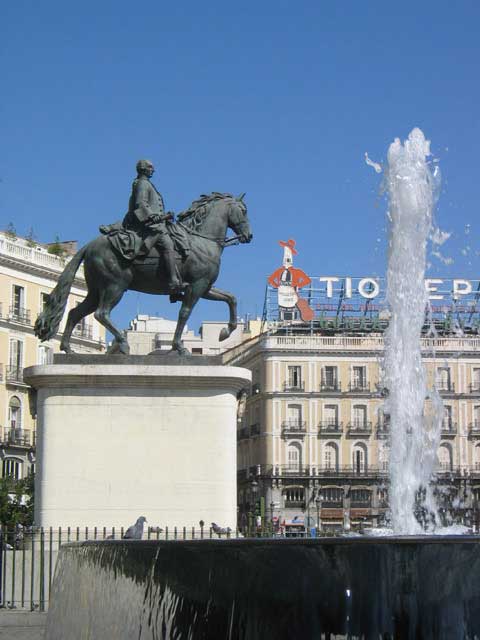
(17, 437)
(255, 429)
(474, 429)
(445, 386)
(382, 430)
(449, 429)
(83, 331)
(331, 387)
(355, 429)
(360, 386)
(293, 387)
(330, 428)
(294, 428)
(19, 314)
(14, 375)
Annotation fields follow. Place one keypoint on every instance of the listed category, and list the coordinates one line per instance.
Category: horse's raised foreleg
(75, 315)
(229, 298)
(108, 299)
(190, 298)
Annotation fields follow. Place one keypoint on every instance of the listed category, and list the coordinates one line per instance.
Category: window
(330, 456)
(331, 497)
(359, 416)
(197, 351)
(43, 301)
(12, 468)
(447, 418)
(330, 412)
(360, 498)
(18, 299)
(445, 458)
(15, 360)
(295, 377)
(383, 454)
(476, 379)
(15, 413)
(294, 457)
(359, 377)
(45, 355)
(476, 457)
(329, 378)
(294, 415)
(294, 496)
(443, 379)
(359, 458)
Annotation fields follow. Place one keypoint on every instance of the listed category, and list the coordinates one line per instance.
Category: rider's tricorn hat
(289, 244)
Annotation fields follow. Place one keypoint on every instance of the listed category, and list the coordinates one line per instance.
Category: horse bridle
(222, 242)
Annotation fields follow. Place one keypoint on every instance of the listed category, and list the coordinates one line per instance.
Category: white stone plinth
(117, 441)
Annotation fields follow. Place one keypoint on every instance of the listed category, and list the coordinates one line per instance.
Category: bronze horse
(109, 275)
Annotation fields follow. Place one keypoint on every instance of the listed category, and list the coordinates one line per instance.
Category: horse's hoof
(179, 351)
(65, 348)
(118, 347)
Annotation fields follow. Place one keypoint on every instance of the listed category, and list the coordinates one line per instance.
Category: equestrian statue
(151, 253)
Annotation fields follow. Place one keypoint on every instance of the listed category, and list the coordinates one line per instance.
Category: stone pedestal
(123, 436)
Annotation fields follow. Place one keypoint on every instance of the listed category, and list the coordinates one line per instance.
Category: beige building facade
(28, 273)
(313, 445)
(146, 334)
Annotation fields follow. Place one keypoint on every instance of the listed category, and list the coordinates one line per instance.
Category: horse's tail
(49, 320)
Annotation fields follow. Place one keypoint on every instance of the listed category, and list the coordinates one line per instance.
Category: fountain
(406, 585)
(415, 435)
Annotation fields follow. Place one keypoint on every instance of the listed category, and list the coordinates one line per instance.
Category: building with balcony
(153, 333)
(319, 451)
(28, 273)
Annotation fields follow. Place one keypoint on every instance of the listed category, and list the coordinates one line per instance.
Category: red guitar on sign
(288, 280)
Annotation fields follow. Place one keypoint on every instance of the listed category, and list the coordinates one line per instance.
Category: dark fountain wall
(358, 588)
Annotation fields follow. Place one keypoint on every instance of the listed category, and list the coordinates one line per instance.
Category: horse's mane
(193, 217)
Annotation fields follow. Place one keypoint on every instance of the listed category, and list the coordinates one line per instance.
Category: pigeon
(135, 532)
(220, 530)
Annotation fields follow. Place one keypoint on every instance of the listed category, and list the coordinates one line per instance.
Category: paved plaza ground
(22, 625)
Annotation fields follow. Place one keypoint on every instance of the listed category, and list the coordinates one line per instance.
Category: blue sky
(278, 99)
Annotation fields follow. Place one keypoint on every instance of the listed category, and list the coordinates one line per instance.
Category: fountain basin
(389, 587)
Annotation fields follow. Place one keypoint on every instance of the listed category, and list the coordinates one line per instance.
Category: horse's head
(238, 219)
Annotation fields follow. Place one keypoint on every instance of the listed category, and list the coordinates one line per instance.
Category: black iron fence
(28, 556)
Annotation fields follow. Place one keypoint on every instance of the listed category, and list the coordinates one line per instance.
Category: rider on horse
(146, 217)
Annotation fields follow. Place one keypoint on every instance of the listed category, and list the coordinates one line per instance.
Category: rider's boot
(175, 284)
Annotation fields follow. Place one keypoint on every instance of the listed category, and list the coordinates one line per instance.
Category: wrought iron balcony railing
(382, 430)
(294, 427)
(474, 429)
(359, 428)
(1, 372)
(18, 437)
(19, 314)
(83, 331)
(14, 374)
(291, 386)
(330, 427)
(444, 386)
(449, 428)
(360, 386)
(330, 387)
(474, 388)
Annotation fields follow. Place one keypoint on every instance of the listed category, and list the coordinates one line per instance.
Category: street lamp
(254, 492)
(318, 503)
(272, 507)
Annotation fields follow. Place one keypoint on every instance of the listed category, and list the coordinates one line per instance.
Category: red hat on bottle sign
(289, 244)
